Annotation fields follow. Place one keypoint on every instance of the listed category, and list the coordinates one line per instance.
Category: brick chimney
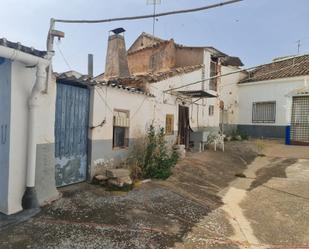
(116, 57)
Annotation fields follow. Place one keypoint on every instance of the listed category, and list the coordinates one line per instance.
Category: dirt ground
(203, 205)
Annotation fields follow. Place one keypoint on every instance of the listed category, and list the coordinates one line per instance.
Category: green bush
(153, 157)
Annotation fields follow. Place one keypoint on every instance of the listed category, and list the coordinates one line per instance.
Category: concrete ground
(203, 205)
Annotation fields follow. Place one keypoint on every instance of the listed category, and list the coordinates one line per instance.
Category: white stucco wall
(272, 90)
(144, 111)
(199, 117)
(22, 81)
(228, 93)
(107, 99)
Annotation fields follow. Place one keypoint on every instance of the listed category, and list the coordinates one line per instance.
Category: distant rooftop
(156, 41)
(280, 68)
(18, 46)
(74, 77)
(152, 77)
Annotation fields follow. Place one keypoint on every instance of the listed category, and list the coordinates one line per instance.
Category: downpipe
(30, 200)
(43, 75)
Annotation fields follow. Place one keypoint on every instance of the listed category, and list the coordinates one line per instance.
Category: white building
(269, 98)
(57, 129)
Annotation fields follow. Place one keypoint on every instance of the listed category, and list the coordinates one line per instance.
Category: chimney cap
(118, 31)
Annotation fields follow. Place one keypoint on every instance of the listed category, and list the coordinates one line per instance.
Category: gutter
(42, 65)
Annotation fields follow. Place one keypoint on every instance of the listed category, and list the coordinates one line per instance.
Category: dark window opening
(213, 72)
(121, 129)
(211, 110)
(119, 136)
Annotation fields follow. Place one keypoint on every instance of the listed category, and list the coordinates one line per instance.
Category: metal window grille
(300, 120)
(121, 129)
(264, 112)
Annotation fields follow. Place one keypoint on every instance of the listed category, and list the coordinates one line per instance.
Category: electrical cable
(147, 16)
(63, 57)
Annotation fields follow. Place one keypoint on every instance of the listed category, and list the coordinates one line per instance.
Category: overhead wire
(148, 16)
(63, 57)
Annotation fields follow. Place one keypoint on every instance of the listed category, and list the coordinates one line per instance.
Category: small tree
(156, 160)
(159, 160)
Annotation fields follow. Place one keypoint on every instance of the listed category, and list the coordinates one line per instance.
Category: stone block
(120, 182)
(117, 173)
(101, 177)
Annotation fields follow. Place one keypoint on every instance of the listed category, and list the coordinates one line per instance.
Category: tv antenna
(154, 3)
(298, 46)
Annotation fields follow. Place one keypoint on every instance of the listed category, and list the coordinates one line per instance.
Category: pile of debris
(114, 179)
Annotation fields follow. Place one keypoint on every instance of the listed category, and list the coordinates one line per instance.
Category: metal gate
(71, 134)
(300, 120)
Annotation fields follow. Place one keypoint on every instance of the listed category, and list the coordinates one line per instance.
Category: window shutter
(169, 124)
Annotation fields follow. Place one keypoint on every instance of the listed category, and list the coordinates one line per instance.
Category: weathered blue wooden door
(71, 134)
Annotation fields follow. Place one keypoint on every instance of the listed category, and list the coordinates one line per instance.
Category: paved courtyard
(203, 205)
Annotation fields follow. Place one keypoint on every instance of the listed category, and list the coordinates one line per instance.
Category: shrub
(153, 157)
(244, 136)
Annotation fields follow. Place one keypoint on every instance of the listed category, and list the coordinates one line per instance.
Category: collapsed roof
(73, 77)
(146, 41)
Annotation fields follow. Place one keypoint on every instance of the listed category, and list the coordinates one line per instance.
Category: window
(169, 124)
(213, 72)
(264, 112)
(121, 129)
(211, 110)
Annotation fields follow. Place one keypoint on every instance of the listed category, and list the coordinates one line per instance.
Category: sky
(254, 30)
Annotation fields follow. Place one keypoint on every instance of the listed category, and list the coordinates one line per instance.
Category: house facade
(270, 98)
(61, 129)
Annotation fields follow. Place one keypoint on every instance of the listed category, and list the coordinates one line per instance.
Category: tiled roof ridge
(155, 45)
(162, 75)
(279, 69)
(18, 46)
(85, 80)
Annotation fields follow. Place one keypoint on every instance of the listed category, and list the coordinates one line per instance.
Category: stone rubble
(118, 178)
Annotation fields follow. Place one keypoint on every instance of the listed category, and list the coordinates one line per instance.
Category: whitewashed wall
(107, 99)
(274, 90)
(228, 93)
(22, 81)
(199, 117)
(143, 111)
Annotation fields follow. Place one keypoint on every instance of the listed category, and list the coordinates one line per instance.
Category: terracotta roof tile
(140, 81)
(18, 46)
(286, 68)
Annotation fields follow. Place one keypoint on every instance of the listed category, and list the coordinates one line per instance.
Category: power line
(148, 16)
(63, 57)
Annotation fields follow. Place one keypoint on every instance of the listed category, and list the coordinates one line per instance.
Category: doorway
(183, 126)
(300, 121)
(71, 134)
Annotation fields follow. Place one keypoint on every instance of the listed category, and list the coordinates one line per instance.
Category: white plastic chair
(219, 140)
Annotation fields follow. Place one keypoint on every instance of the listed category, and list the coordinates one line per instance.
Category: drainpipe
(30, 199)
